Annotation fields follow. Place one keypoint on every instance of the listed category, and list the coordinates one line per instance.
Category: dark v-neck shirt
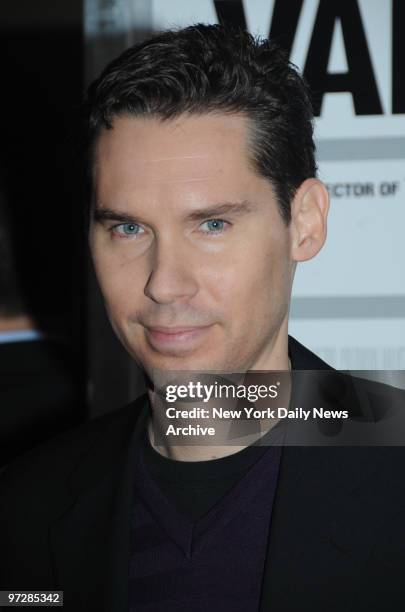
(199, 530)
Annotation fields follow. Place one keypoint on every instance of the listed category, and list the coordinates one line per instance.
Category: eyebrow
(101, 214)
(109, 214)
(217, 210)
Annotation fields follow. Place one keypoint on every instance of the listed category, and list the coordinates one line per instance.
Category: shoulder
(59, 456)
(304, 359)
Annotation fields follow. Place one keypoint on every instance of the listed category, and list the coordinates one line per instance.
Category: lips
(174, 330)
(175, 339)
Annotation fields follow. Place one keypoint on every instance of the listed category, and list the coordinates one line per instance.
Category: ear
(309, 211)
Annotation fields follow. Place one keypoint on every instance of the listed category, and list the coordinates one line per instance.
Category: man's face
(190, 250)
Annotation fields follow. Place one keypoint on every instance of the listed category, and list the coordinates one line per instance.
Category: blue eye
(214, 226)
(130, 228)
(127, 229)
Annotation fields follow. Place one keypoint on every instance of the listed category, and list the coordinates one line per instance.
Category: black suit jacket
(337, 538)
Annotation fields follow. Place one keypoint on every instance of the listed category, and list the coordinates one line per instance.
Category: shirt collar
(21, 335)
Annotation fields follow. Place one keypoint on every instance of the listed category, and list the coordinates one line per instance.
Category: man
(204, 198)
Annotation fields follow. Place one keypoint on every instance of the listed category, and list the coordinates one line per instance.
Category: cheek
(252, 282)
(251, 270)
(119, 283)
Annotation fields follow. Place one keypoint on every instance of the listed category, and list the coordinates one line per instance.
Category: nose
(172, 278)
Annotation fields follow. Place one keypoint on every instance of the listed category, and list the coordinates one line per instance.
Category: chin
(179, 363)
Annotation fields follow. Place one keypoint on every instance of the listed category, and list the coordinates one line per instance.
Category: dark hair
(215, 68)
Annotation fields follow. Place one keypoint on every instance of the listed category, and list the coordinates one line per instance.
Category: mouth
(175, 339)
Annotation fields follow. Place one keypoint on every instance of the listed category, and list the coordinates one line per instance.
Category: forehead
(187, 153)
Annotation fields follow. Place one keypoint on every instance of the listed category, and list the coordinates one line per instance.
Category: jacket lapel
(89, 540)
(319, 536)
